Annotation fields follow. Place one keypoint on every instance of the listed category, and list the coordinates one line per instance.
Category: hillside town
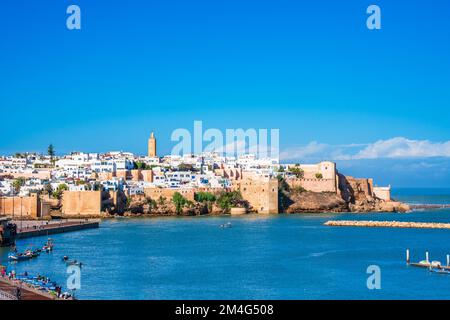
(37, 186)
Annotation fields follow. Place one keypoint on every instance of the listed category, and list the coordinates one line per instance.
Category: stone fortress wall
(20, 206)
(81, 203)
(329, 181)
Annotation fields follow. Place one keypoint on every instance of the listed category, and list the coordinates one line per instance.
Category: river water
(259, 257)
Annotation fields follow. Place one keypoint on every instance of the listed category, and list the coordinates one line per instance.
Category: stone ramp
(8, 287)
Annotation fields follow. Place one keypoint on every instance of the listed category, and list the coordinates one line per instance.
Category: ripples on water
(259, 257)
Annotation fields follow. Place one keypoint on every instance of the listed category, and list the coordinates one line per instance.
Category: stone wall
(314, 184)
(383, 193)
(25, 206)
(81, 203)
(39, 174)
(142, 175)
(155, 193)
(230, 173)
(326, 168)
(124, 174)
(262, 194)
(309, 181)
(147, 175)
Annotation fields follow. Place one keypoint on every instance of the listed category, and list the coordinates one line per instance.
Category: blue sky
(310, 68)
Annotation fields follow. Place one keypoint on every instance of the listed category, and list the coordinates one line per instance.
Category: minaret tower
(152, 146)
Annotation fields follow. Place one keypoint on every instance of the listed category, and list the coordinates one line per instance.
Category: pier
(387, 224)
(32, 228)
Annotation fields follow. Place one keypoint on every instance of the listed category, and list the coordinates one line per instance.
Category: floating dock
(427, 263)
(39, 228)
(387, 224)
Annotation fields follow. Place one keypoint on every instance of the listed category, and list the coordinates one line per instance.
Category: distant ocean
(259, 257)
(422, 195)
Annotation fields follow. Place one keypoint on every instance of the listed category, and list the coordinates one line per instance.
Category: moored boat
(19, 257)
(439, 270)
(48, 247)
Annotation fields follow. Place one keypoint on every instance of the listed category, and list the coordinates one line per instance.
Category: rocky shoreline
(323, 202)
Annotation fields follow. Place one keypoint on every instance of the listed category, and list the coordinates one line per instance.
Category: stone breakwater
(387, 224)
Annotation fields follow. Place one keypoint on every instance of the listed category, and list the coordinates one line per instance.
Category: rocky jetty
(387, 224)
(429, 206)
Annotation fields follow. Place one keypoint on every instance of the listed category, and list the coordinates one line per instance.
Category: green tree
(128, 204)
(60, 190)
(140, 165)
(186, 167)
(18, 183)
(48, 189)
(207, 198)
(299, 173)
(151, 203)
(97, 186)
(204, 197)
(227, 200)
(179, 201)
(51, 152)
(161, 201)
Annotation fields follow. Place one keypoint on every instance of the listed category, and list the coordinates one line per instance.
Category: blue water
(260, 257)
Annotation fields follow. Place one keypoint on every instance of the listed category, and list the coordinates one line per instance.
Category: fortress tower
(152, 146)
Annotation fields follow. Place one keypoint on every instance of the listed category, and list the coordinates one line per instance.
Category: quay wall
(58, 229)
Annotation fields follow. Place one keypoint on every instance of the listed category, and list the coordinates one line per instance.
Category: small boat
(19, 257)
(33, 253)
(226, 225)
(48, 247)
(74, 263)
(439, 270)
(435, 264)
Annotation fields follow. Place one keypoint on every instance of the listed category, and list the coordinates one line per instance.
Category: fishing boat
(19, 257)
(33, 253)
(48, 247)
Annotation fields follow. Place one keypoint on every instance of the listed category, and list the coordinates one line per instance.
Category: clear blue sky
(310, 68)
